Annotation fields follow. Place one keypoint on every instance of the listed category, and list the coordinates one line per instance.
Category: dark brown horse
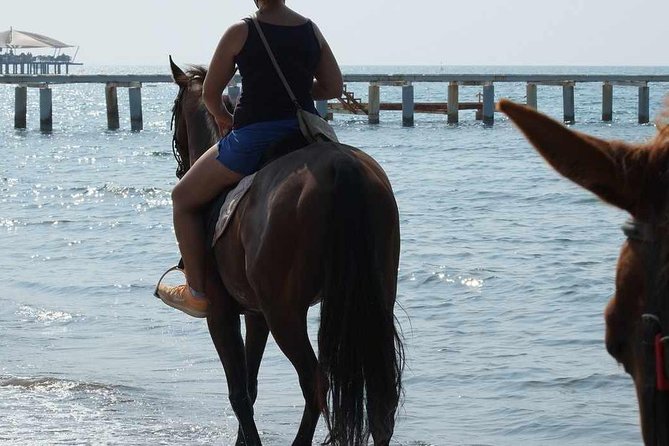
(318, 224)
(633, 177)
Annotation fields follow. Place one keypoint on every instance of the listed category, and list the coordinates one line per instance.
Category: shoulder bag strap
(275, 63)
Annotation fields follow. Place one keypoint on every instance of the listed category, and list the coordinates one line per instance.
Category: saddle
(290, 143)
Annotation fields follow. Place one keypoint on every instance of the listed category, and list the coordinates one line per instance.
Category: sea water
(504, 274)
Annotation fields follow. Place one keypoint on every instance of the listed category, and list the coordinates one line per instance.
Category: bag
(313, 127)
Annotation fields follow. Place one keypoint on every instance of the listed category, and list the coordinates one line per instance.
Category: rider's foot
(181, 297)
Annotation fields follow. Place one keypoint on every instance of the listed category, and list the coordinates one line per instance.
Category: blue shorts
(242, 148)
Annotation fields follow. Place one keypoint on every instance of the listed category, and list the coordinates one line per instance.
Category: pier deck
(485, 108)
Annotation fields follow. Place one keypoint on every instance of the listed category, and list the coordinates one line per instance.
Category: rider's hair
(269, 2)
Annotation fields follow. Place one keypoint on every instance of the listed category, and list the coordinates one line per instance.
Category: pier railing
(408, 106)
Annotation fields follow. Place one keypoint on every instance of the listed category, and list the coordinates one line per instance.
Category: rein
(176, 148)
(652, 318)
(655, 341)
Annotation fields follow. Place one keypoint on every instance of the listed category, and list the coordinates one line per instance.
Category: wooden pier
(348, 103)
(36, 66)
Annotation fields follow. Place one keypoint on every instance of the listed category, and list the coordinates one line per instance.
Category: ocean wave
(593, 381)
(53, 384)
(44, 316)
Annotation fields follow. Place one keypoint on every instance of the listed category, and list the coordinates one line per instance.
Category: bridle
(654, 328)
(177, 150)
(182, 154)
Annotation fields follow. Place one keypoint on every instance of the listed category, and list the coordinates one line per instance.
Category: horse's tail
(360, 351)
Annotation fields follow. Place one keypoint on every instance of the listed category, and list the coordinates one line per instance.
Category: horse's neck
(202, 134)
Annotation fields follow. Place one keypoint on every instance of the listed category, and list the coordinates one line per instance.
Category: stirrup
(178, 267)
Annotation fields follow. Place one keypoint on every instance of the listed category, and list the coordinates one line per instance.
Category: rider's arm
(221, 70)
(329, 82)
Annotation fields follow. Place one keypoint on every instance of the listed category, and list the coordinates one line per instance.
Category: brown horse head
(194, 128)
(633, 177)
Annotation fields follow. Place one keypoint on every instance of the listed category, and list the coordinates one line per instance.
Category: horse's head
(194, 128)
(633, 177)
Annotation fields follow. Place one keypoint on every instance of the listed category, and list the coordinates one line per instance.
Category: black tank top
(264, 98)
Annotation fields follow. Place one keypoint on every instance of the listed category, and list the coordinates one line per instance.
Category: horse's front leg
(224, 328)
(256, 339)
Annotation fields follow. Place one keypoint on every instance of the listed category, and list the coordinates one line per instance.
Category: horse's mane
(662, 124)
(196, 72)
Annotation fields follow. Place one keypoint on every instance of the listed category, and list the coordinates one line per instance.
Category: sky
(366, 32)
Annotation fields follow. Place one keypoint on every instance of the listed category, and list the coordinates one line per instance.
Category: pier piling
(607, 102)
(374, 103)
(488, 104)
(111, 98)
(568, 102)
(45, 110)
(531, 91)
(453, 101)
(322, 108)
(20, 106)
(644, 104)
(233, 94)
(407, 106)
(136, 118)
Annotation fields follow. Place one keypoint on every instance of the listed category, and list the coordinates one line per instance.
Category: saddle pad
(229, 206)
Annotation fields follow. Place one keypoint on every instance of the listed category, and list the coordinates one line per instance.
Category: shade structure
(23, 39)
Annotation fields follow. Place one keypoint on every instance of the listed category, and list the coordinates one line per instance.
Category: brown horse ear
(590, 162)
(178, 75)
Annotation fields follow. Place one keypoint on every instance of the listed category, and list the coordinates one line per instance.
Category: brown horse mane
(662, 124)
(656, 154)
(653, 155)
(196, 72)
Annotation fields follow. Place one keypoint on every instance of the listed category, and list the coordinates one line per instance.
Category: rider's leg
(221, 166)
(203, 182)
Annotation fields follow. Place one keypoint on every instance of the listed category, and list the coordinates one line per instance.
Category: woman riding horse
(318, 224)
(265, 114)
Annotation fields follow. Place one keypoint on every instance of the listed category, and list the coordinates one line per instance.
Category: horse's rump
(288, 210)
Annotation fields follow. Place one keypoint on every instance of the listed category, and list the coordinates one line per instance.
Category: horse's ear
(595, 164)
(178, 75)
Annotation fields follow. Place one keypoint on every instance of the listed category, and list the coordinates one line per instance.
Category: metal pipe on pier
(136, 118)
(607, 102)
(644, 104)
(407, 105)
(568, 102)
(45, 110)
(20, 106)
(531, 91)
(374, 103)
(322, 108)
(453, 102)
(111, 99)
(489, 104)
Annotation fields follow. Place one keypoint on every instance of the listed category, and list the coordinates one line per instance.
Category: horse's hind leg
(224, 328)
(290, 333)
(256, 339)
(381, 421)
